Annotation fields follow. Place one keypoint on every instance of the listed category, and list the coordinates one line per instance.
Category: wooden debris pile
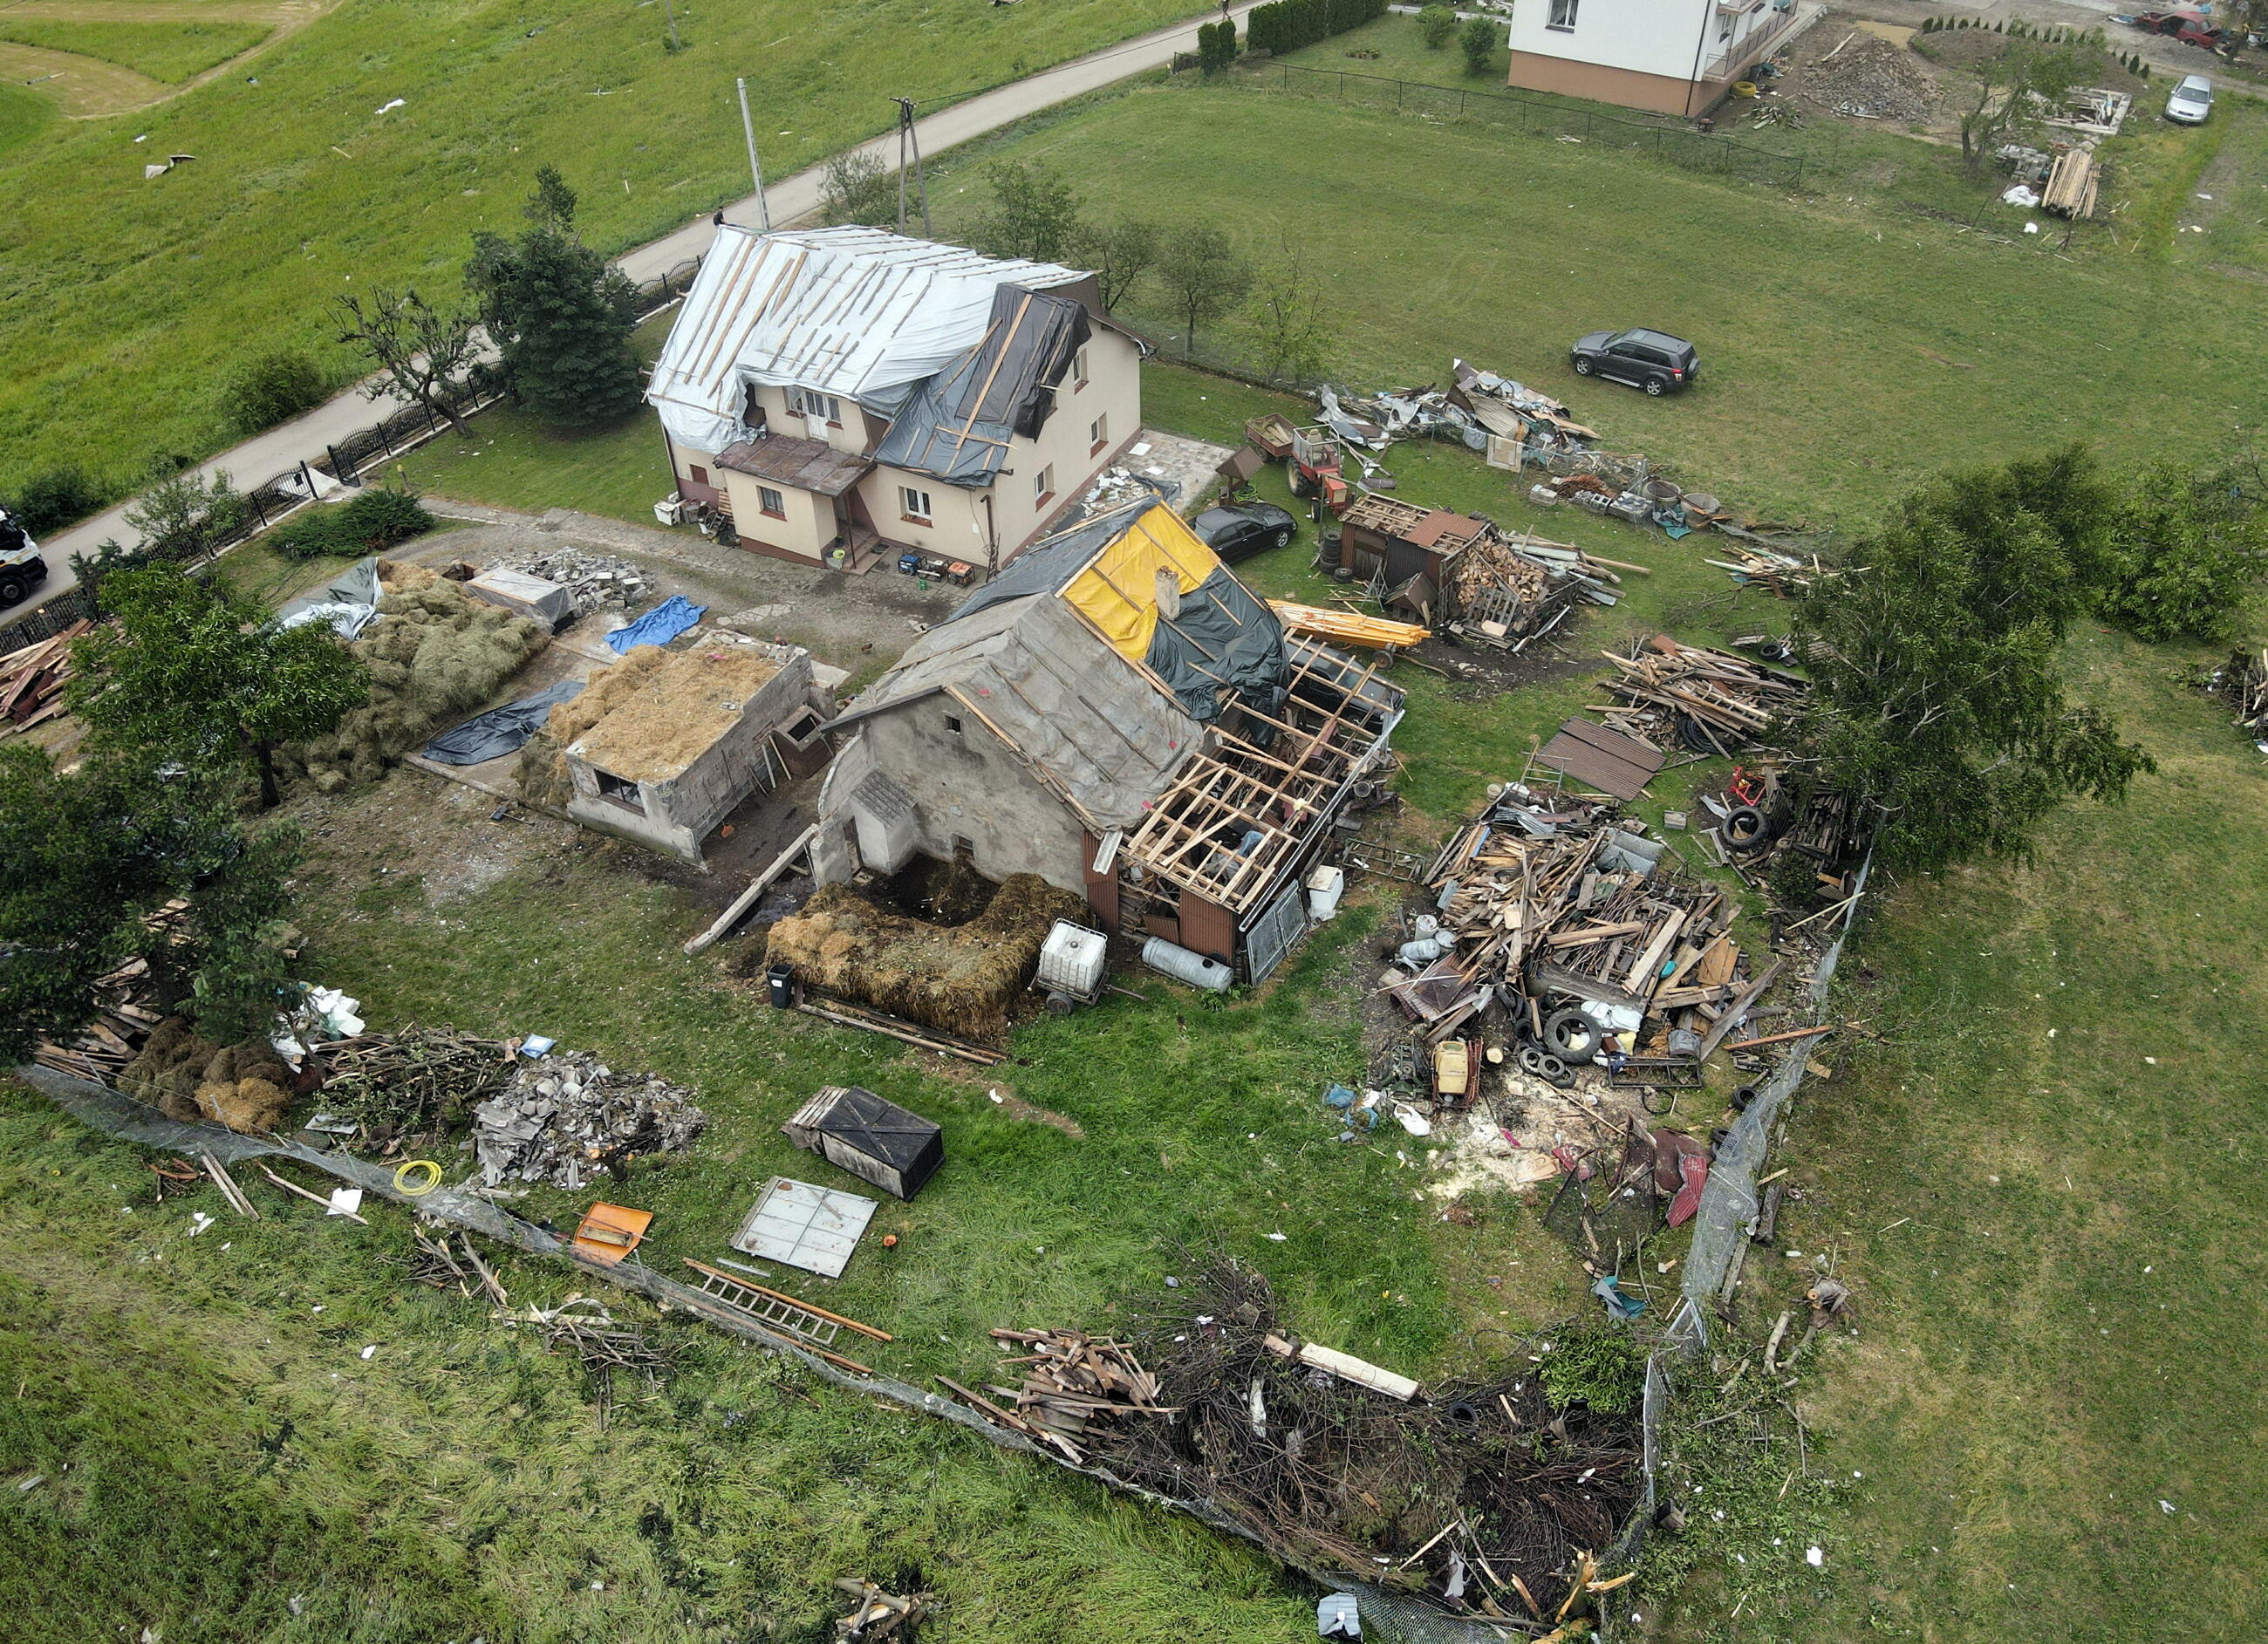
(2243, 683)
(1072, 1383)
(392, 1086)
(877, 1614)
(1506, 593)
(1485, 1499)
(1784, 575)
(1711, 701)
(123, 1019)
(32, 680)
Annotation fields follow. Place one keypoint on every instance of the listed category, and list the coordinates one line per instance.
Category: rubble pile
(568, 1114)
(1866, 77)
(32, 680)
(2243, 684)
(592, 581)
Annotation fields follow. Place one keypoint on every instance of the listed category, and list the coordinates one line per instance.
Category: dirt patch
(1846, 69)
(89, 88)
(444, 834)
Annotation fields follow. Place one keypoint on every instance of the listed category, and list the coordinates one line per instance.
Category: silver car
(2191, 100)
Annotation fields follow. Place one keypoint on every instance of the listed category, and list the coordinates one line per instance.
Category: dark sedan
(1237, 531)
(1652, 360)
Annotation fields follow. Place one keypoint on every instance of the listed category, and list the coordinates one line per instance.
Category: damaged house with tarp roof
(848, 395)
(1119, 714)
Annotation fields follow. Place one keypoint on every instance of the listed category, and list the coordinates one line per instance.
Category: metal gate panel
(1275, 933)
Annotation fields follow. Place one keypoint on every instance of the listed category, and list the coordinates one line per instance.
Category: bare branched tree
(424, 352)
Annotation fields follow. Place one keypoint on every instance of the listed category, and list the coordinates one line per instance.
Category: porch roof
(802, 464)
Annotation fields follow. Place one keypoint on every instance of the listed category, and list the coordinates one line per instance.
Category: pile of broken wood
(1711, 701)
(32, 680)
(123, 1017)
(1070, 1382)
(2243, 683)
(1505, 592)
(1783, 575)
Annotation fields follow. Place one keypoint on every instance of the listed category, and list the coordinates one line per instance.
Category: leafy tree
(561, 320)
(1287, 319)
(2185, 547)
(859, 188)
(1938, 700)
(274, 388)
(53, 498)
(422, 351)
(193, 674)
(552, 205)
(1478, 40)
(2010, 89)
(1120, 252)
(1034, 215)
(89, 861)
(1438, 25)
(1204, 275)
(1216, 45)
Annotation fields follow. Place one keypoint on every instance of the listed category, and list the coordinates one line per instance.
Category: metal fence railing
(278, 496)
(1677, 142)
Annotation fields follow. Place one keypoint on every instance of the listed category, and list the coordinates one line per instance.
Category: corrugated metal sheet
(857, 312)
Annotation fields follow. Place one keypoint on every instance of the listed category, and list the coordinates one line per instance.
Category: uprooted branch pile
(1486, 1497)
(394, 1086)
(1710, 702)
(434, 654)
(2243, 684)
(959, 979)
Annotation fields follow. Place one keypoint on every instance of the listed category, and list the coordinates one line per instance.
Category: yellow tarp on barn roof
(1118, 593)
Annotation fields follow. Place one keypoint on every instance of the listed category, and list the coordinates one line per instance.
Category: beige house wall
(1112, 393)
(804, 526)
(955, 527)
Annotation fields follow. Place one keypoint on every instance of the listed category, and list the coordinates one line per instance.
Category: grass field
(170, 52)
(131, 300)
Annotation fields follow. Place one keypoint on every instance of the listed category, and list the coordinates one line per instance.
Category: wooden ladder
(813, 1325)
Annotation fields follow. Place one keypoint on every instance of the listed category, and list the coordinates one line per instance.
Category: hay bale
(169, 1069)
(244, 1087)
(247, 1104)
(964, 980)
(434, 656)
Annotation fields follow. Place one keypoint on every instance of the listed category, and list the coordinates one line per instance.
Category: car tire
(1746, 827)
(1282, 536)
(1571, 1035)
(1582, 366)
(12, 589)
(1657, 386)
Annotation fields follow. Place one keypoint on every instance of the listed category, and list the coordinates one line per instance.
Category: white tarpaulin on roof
(859, 313)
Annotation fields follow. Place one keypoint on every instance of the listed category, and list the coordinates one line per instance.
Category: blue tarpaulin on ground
(658, 626)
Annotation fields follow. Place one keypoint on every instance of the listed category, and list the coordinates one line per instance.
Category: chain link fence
(1676, 141)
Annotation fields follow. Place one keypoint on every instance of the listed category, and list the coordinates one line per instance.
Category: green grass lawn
(131, 300)
(1402, 54)
(23, 116)
(513, 460)
(171, 52)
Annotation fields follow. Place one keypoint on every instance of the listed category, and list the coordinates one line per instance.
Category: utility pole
(908, 134)
(755, 167)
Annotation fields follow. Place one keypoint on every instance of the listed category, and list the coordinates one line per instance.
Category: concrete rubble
(563, 1116)
(592, 581)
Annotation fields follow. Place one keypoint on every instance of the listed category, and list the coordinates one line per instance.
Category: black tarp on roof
(958, 424)
(1221, 639)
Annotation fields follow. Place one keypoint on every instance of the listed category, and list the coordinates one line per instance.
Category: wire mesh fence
(1676, 141)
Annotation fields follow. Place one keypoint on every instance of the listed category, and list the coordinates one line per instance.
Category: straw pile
(244, 1087)
(961, 979)
(434, 655)
(543, 775)
(676, 711)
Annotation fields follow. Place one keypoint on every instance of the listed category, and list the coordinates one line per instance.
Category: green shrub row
(372, 521)
(1287, 24)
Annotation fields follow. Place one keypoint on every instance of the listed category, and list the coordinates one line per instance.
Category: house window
(953, 723)
(1098, 434)
(1043, 484)
(1563, 15)
(622, 793)
(771, 502)
(916, 504)
(811, 403)
(1079, 370)
(700, 475)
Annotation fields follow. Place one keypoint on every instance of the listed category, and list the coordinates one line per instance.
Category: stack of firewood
(1709, 701)
(32, 680)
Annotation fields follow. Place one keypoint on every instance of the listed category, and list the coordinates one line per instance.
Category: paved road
(790, 199)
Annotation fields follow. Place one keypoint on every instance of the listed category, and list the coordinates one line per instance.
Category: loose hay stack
(958, 978)
(246, 1086)
(543, 775)
(434, 655)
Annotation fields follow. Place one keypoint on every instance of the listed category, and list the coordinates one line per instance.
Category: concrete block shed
(870, 1136)
(695, 736)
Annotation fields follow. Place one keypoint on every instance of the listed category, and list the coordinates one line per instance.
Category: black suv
(1652, 360)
